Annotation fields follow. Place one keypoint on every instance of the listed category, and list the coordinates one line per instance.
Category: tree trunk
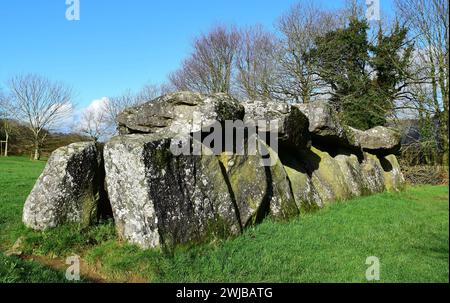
(6, 144)
(443, 84)
(37, 154)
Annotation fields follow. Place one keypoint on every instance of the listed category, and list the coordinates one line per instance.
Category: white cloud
(97, 107)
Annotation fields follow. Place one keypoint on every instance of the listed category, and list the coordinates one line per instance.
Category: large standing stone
(327, 178)
(282, 204)
(159, 199)
(68, 190)
(350, 167)
(258, 188)
(249, 185)
(316, 178)
(373, 174)
(179, 113)
(393, 177)
(292, 124)
(305, 194)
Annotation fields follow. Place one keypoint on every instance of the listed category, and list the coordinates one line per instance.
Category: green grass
(408, 232)
(13, 270)
(17, 177)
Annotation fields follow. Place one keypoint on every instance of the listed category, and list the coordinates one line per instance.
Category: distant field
(408, 232)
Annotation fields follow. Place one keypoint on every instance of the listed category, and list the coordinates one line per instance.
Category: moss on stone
(286, 208)
(350, 135)
(89, 206)
(248, 183)
(227, 110)
(373, 174)
(393, 178)
(351, 170)
(161, 157)
(332, 185)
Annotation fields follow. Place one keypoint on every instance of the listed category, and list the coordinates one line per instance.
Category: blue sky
(117, 45)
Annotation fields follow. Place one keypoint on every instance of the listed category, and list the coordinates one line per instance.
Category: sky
(118, 45)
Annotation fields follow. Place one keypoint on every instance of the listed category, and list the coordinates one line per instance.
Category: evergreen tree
(390, 60)
(364, 78)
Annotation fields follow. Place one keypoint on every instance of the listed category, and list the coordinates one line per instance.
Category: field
(408, 232)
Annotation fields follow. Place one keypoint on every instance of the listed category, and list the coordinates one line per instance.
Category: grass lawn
(408, 232)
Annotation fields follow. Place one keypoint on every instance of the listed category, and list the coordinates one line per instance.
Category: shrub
(426, 174)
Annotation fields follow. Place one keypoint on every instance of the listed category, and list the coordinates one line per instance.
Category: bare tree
(299, 28)
(256, 64)
(115, 105)
(149, 92)
(210, 68)
(93, 121)
(94, 125)
(5, 115)
(41, 104)
(428, 21)
(352, 9)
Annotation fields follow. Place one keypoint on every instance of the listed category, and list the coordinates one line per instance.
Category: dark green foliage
(365, 78)
(391, 57)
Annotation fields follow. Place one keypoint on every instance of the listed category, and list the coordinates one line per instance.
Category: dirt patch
(87, 272)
